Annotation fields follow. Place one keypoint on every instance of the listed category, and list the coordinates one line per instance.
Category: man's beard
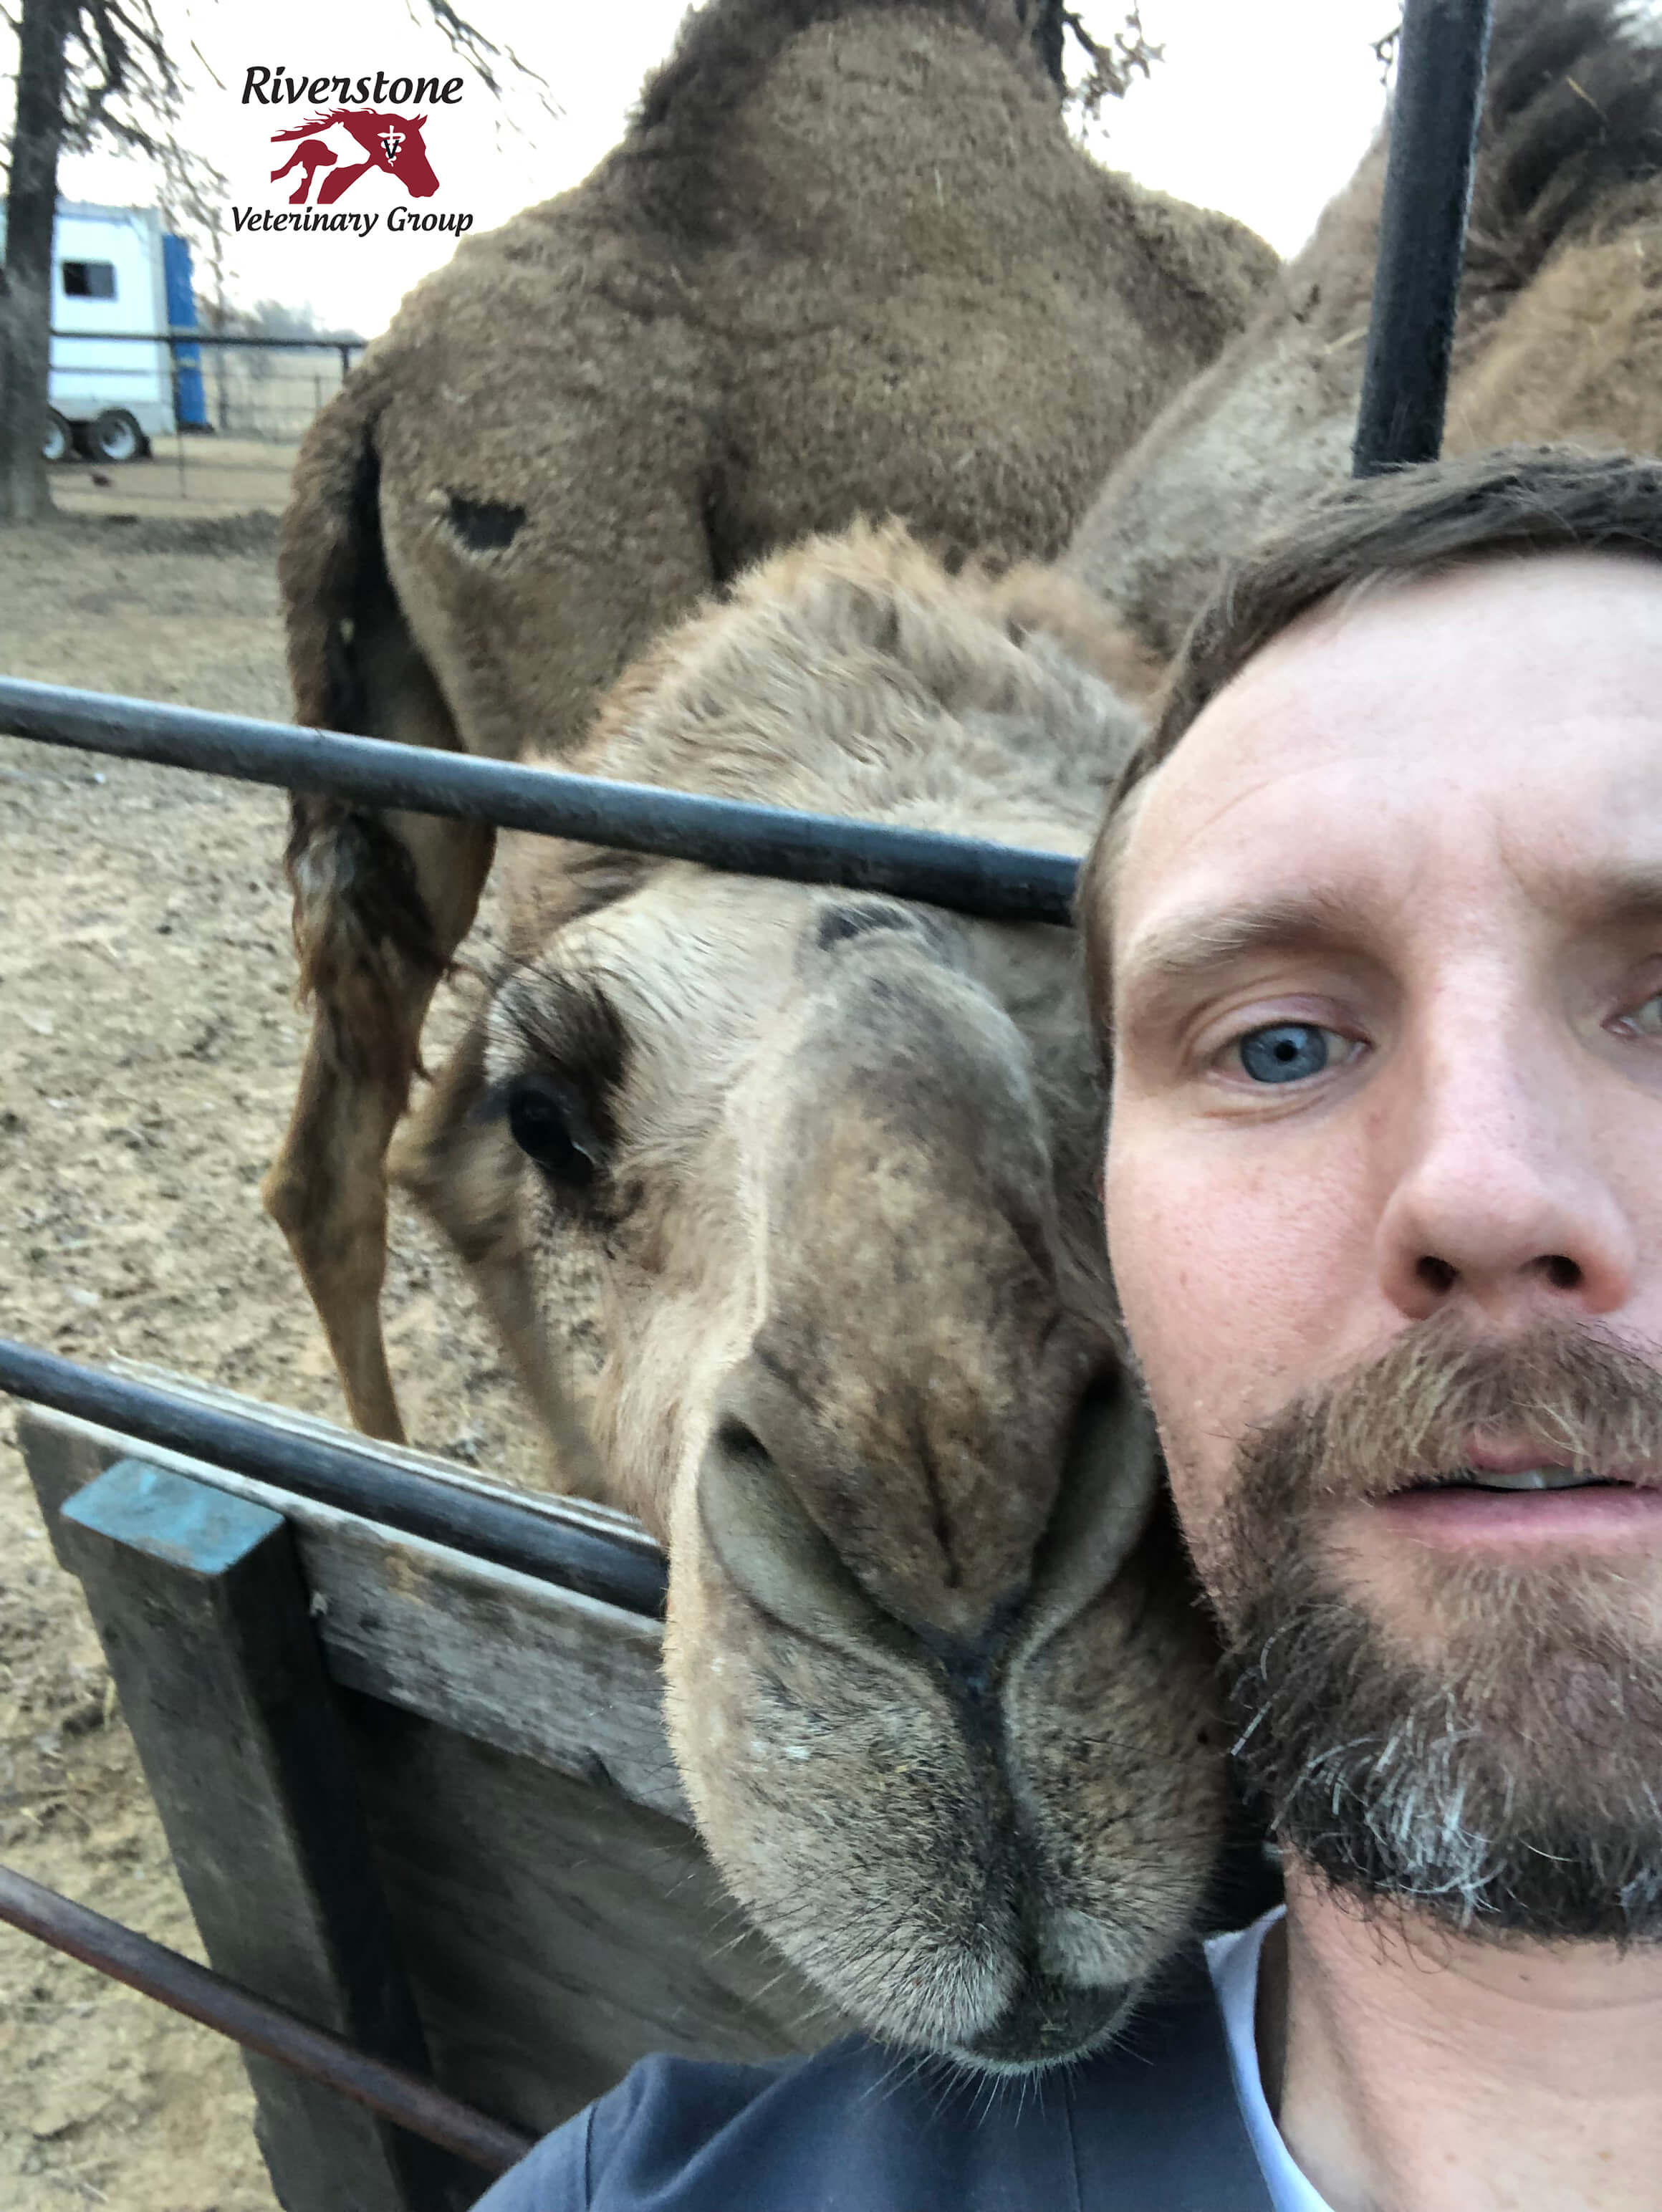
(1508, 1778)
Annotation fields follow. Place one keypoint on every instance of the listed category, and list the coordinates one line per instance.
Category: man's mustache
(1570, 1395)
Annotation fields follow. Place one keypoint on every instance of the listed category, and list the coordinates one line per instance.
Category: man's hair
(1421, 520)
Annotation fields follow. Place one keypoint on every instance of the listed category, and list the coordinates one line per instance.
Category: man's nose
(1503, 1198)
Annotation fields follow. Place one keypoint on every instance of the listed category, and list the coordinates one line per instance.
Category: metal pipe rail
(1440, 63)
(1002, 882)
(625, 1572)
(197, 335)
(230, 2010)
(344, 347)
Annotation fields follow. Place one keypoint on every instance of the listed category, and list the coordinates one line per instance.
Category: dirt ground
(148, 1043)
(184, 478)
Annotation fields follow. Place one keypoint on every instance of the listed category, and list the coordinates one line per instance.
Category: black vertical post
(1441, 60)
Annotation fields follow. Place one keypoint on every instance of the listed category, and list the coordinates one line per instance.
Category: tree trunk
(26, 286)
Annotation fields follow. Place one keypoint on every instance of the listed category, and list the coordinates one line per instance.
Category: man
(1374, 932)
(1376, 927)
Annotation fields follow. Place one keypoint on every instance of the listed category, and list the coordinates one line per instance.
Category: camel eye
(548, 1121)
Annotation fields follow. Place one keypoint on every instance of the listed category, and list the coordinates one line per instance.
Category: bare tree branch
(1114, 65)
(481, 53)
(122, 78)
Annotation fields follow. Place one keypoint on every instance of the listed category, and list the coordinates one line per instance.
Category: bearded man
(1374, 931)
(1374, 936)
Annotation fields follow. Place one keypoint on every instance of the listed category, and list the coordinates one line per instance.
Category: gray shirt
(1151, 2124)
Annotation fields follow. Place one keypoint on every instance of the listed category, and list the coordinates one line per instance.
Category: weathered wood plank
(197, 1598)
(557, 1933)
(559, 1917)
(549, 1673)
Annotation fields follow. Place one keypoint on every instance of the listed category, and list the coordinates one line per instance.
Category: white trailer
(109, 396)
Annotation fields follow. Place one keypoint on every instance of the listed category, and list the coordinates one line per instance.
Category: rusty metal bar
(201, 1994)
(1440, 62)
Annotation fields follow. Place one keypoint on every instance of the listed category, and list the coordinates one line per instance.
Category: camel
(846, 260)
(1556, 339)
(938, 1686)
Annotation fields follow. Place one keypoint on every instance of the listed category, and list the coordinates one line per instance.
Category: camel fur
(939, 1688)
(846, 260)
(1559, 315)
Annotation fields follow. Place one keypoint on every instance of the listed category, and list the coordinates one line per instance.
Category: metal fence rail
(1440, 63)
(353, 1477)
(201, 1994)
(1001, 882)
(242, 401)
(192, 334)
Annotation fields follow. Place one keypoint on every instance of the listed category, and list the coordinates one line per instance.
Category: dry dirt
(148, 1043)
(183, 478)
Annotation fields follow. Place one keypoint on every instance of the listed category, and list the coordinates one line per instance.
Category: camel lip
(1047, 2024)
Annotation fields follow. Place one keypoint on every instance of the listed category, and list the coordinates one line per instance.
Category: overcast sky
(1262, 110)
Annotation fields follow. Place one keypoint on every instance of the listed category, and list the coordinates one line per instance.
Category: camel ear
(1039, 597)
(331, 569)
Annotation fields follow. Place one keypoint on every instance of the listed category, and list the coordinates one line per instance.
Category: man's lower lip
(1594, 1519)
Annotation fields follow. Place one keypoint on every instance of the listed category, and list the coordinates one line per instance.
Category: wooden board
(557, 1915)
(200, 1608)
(563, 1679)
(553, 1932)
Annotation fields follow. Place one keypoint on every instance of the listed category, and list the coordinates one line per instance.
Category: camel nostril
(734, 1437)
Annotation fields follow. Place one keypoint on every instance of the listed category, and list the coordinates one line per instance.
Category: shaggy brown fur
(1561, 316)
(936, 1683)
(846, 260)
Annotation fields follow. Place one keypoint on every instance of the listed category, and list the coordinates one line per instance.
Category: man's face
(1385, 1207)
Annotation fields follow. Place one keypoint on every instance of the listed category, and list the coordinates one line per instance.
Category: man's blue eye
(1286, 1051)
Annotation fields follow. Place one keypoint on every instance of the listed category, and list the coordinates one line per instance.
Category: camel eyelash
(568, 1026)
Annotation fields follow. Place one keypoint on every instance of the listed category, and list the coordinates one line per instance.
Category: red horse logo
(392, 143)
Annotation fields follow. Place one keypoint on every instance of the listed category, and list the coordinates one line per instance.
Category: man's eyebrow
(1170, 960)
(1625, 895)
(1166, 964)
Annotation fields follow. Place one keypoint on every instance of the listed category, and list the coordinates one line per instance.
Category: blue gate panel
(193, 401)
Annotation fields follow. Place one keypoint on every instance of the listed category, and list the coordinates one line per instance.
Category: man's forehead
(1519, 701)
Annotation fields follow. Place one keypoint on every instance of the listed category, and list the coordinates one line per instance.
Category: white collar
(1233, 1960)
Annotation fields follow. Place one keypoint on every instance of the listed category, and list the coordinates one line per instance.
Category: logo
(337, 148)
(392, 143)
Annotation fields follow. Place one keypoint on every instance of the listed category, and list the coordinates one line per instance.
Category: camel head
(937, 1685)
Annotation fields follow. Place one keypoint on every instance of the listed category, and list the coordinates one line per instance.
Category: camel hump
(1573, 116)
(329, 551)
